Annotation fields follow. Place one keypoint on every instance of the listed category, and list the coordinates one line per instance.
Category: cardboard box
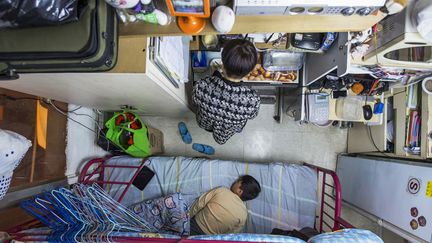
(156, 141)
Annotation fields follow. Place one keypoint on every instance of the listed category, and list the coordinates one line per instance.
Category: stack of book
(412, 132)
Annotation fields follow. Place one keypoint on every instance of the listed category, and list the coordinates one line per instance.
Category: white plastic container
(282, 60)
(350, 108)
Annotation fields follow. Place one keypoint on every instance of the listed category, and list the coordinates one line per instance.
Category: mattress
(289, 191)
(249, 238)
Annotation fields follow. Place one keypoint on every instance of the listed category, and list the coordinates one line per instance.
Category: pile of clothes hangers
(82, 214)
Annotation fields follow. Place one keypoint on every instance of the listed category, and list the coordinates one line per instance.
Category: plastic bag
(27, 13)
(149, 11)
(422, 17)
(127, 132)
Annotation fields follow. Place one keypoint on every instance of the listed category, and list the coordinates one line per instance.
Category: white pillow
(13, 147)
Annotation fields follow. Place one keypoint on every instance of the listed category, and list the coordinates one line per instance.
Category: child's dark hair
(239, 58)
(250, 186)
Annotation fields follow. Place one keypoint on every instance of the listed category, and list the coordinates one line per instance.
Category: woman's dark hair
(251, 188)
(239, 58)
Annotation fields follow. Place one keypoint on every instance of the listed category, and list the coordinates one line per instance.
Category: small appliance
(191, 14)
(307, 7)
(399, 44)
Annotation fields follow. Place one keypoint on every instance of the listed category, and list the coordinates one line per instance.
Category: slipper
(205, 149)
(185, 135)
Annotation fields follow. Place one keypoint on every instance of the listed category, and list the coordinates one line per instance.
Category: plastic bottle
(155, 17)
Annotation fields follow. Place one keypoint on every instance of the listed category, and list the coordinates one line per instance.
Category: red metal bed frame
(329, 215)
(330, 191)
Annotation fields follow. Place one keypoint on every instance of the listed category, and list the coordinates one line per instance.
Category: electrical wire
(287, 110)
(103, 135)
(53, 105)
(289, 107)
(374, 144)
(65, 111)
(67, 116)
(99, 133)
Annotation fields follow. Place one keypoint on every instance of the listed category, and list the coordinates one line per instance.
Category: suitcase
(88, 45)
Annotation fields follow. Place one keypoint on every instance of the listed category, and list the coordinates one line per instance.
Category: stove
(307, 7)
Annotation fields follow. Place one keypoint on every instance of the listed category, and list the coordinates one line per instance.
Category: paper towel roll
(427, 85)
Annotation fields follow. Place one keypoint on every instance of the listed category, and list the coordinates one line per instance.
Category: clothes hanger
(84, 214)
(111, 223)
(116, 211)
(77, 208)
(65, 206)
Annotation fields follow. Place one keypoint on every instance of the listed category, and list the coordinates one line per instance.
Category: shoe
(205, 149)
(184, 133)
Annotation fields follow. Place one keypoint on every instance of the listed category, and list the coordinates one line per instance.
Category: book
(412, 136)
(412, 101)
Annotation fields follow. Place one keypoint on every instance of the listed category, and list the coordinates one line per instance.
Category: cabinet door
(318, 65)
(361, 138)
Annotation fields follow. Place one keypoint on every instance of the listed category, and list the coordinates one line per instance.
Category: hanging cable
(67, 116)
(65, 111)
(374, 144)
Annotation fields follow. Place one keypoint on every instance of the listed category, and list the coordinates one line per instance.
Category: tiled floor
(262, 140)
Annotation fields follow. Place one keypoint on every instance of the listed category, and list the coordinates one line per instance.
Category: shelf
(359, 140)
(266, 24)
(376, 118)
(426, 125)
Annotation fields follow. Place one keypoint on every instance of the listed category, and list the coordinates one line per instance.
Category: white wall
(81, 142)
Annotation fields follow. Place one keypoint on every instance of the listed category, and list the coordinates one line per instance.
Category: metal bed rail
(329, 187)
(94, 172)
(330, 192)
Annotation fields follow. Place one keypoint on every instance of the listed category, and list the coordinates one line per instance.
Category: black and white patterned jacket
(224, 101)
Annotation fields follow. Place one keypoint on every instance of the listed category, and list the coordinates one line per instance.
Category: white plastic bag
(13, 147)
(422, 17)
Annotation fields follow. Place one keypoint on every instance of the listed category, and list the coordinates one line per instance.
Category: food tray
(259, 74)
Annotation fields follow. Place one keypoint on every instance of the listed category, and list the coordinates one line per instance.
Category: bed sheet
(289, 191)
(249, 238)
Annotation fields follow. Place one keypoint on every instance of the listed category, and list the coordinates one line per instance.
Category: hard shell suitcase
(88, 45)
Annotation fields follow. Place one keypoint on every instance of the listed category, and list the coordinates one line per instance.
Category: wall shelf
(266, 24)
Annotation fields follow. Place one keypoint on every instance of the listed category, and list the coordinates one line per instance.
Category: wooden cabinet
(135, 81)
(360, 140)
